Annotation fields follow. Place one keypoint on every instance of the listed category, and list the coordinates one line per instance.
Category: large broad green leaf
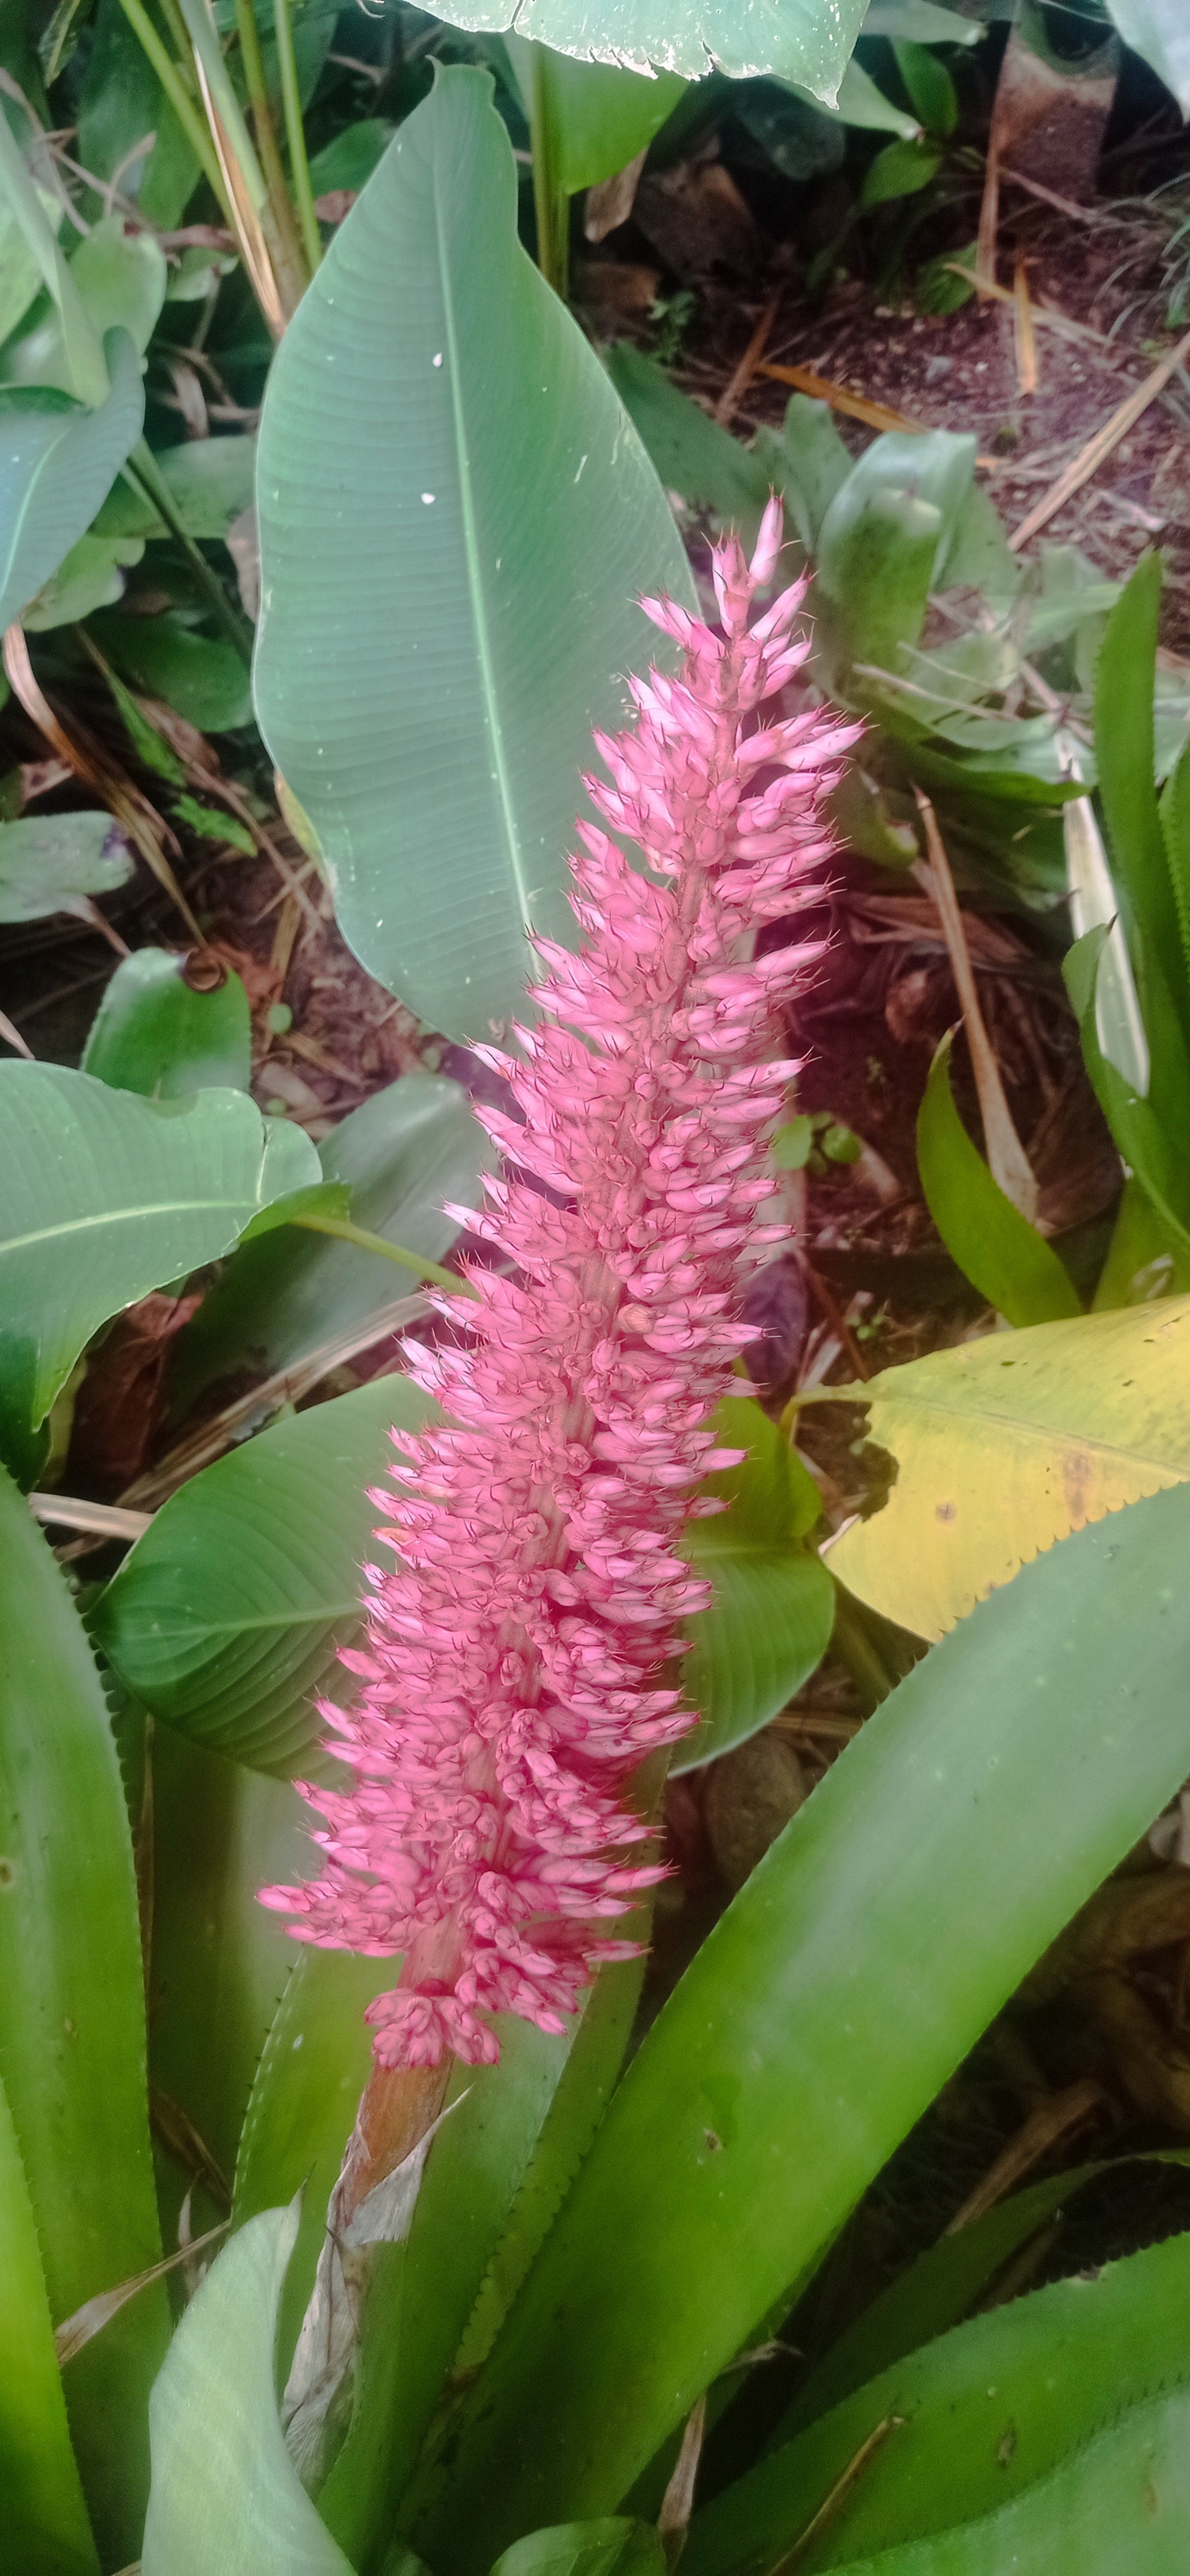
(971, 1817)
(104, 1196)
(226, 2498)
(45, 2519)
(227, 1616)
(48, 860)
(1160, 31)
(808, 41)
(773, 1602)
(984, 2412)
(407, 1155)
(56, 463)
(444, 616)
(119, 276)
(72, 2021)
(1004, 1445)
(1004, 1256)
(210, 483)
(154, 1034)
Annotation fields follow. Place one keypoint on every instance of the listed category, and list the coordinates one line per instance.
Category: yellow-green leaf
(1006, 1444)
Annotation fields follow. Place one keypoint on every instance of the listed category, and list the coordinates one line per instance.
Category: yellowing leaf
(1006, 1445)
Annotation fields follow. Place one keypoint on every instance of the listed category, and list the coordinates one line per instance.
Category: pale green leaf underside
(808, 41)
(226, 2499)
(55, 468)
(447, 610)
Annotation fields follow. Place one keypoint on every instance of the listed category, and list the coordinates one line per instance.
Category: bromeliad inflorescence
(514, 1674)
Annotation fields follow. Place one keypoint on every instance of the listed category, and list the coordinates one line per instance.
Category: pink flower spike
(521, 1651)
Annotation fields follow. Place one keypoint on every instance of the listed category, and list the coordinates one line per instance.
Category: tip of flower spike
(769, 540)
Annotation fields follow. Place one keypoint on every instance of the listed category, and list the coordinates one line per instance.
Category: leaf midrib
(1053, 1432)
(127, 1216)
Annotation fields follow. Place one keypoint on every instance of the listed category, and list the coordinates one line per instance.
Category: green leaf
(691, 453)
(404, 1157)
(228, 1614)
(155, 1035)
(91, 576)
(899, 171)
(20, 276)
(105, 1196)
(48, 860)
(119, 276)
(1124, 753)
(45, 2518)
(773, 1602)
(614, 2547)
(55, 466)
(305, 2094)
(885, 532)
(221, 1961)
(815, 465)
(1149, 1142)
(1174, 811)
(799, 139)
(72, 2020)
(226, 2499)
(210, 484)
(1005, 1444)
(482, 575)
(121, 101)
(349, 160)
(862, 104)
(803, 40)
(995, 1247)
(986, 2411)
(929, 85)
(213, 823)
(202, 676)
(597, 116)
(986, 1799)
(919, 22)
(940, 2289)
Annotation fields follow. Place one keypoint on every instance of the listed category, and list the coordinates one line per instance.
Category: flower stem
(349, 1233)
(295, 135)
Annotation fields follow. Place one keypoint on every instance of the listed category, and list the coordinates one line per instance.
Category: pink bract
(520, 1657)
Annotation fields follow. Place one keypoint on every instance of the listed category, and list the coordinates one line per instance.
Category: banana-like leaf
(105, 1196)
(210, 483)
(1004, 1256)
(808, 41)
(445, 618)
(226, 2499)
(45, 2519)
(48, 860)
(1005, 1444)
(56, 463)
(970, 1818)
(72, 2021)
(407, 1155)
(773, 1602)
(154, 1034)
(983, 2413)
(227, 1616)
